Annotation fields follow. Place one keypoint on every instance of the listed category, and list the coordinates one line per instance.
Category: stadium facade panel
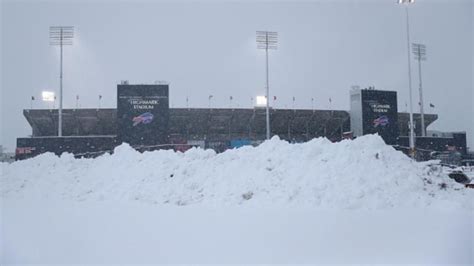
(375, 111)
(142, 114)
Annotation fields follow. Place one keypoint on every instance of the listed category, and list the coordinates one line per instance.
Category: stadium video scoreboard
(375, 111)
(142, 114)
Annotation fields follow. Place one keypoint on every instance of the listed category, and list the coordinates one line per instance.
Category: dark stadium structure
(91, 132)
(215, 124)
(97, 128)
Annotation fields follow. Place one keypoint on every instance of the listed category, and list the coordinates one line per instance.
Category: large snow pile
(360, 174)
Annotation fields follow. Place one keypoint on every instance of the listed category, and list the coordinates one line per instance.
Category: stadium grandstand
(213, 124)
(144, 120)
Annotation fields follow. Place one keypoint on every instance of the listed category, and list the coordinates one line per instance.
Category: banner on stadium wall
(380, 114)
(143, 114)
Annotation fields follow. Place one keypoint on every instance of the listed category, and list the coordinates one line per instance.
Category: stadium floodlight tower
(267, 40)
(60, 36)
(412, 129)
(419, 50)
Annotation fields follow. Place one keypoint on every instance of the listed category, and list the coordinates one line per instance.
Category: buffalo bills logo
(144, 118)
(381, 121)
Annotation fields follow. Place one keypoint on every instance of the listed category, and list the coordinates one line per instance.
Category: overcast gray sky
(205, 47)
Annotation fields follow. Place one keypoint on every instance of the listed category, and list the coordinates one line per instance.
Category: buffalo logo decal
(144, 118)
(381, 121)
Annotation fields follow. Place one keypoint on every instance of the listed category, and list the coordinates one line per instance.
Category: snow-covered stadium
(88, 132)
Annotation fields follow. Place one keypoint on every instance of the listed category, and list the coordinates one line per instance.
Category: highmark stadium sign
(143, 104)
(142, 114)
(380, 114)
(380, 108)
(375, 112)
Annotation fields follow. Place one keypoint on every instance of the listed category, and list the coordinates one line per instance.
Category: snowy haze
(205, 48)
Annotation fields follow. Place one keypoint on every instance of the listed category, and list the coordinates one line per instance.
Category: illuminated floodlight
(47, 96)
(60, 36)
(406, 1)
(267, 40)
(261, 100)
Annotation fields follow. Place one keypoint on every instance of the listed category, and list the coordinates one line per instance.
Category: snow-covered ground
(319, 202)
(51, 232)
(360, 174)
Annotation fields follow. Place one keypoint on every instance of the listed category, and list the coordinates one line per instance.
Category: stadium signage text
(380, 108)
(143, 104)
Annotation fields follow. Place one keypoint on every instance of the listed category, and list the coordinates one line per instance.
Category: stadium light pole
(412, 130)
(267, 40)
(419, 50)
(60, 36)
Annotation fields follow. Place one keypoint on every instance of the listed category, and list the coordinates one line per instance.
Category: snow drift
(360, 174)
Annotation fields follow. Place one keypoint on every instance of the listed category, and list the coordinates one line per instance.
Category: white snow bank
(360, 174)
